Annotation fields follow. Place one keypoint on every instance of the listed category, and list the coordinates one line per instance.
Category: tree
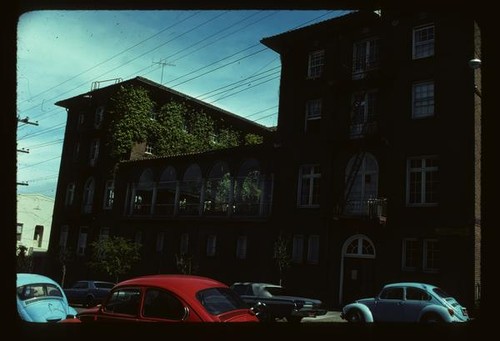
(282, 254)
(186, 264)
(66, 255)
(114, 256)
(24, 259)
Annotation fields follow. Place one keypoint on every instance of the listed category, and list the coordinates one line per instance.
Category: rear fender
(365, 311)
(438, 310)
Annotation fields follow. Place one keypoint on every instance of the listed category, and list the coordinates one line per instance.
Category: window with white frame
(309, 185)
(88, 195)
(63, 237)
(149, 149)
(109, 194)
(364, 105)
(422, 181)
(423, 99)
(82, 240)
(423, 41)
(410, 254)
(431, 255)
(211, 245)
(70, 194)
(184, 245)
(361, 183)
(98, 117)
(316, 64)
(104, 233)
(366, 55)
(313, 115)
(241, 247)
(298, 249)
(94, 151)
(313, 249)
(160, 240)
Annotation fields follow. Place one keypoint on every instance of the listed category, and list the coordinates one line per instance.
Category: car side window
(392, 294)
(162, 304)
(416, 294)
(81, 285)
(124, 301)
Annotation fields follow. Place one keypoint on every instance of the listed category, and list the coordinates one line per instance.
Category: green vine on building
(175, 128)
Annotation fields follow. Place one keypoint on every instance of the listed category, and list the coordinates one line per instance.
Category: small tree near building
(282, 255)
(24, 259)
(114, 256)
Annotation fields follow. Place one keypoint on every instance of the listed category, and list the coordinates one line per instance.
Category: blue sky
(213, 55)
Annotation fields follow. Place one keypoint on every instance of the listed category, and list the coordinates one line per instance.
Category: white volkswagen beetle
(406, 302)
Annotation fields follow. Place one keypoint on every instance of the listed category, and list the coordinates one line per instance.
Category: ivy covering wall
(174, 128)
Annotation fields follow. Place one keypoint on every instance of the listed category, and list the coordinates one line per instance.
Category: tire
(89, 302)
(431, 318)
(294, 319)
(355, 316)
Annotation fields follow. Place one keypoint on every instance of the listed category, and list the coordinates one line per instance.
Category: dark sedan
(88, 293)
(273, 302)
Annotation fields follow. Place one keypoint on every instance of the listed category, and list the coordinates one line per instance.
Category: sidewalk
(330, 316)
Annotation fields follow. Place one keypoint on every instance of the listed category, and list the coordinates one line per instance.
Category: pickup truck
(273, 303)
(88, 293)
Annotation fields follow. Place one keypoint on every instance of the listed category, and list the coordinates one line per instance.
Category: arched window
(359, 246)
(166, 192)
(217, 190)
(247, 189)
(143, 194)
(361, 183)
(88, 195)
(190, 191)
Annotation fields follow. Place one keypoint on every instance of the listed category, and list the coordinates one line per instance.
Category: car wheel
(432, 318)
(294, 319)
(90, 302)
(355, 316)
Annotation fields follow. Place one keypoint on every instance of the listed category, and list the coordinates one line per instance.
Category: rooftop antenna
(163, 63)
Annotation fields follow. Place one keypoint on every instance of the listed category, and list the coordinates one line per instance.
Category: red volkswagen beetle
(170, 298)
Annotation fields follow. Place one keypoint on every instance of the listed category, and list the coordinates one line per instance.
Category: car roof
(176, 283)
(27, 278)
(258, 284)
(411, 284)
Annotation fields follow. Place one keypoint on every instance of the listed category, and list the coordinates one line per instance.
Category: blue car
(41, 299)
(407, 302)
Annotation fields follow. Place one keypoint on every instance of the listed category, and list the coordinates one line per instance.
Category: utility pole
(25, 120)
(163, 64)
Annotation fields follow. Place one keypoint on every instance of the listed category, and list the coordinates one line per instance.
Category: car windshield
(276, 291)
(39, 290)
(220, 300)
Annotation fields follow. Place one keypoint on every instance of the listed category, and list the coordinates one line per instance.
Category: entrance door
(358, 266)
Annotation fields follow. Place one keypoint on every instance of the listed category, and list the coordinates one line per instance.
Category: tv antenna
(163, 63)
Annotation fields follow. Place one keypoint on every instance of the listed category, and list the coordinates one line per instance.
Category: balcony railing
(373, 209)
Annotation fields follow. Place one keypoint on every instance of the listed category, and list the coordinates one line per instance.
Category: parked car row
(189, 298)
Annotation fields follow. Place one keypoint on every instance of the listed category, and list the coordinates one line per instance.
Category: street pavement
(330, 316)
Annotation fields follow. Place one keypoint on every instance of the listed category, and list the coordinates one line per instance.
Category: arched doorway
(357, 270)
